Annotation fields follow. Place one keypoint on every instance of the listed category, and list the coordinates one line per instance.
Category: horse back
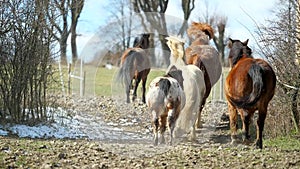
(207, 59)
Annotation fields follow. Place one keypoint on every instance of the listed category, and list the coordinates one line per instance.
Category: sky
(96, 13)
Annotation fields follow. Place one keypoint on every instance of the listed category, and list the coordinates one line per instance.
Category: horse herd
(175, 100)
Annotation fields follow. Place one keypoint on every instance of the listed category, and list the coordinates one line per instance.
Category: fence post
(69, 78)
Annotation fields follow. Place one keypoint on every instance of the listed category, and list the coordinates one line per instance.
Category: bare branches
(187, 8)
(279, 41)
(25, 60)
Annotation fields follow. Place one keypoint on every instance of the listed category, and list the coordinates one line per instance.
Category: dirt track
(212, 149)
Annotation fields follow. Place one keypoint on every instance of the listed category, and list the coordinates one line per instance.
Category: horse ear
(246, 42)
(173, 68)
(230, 43)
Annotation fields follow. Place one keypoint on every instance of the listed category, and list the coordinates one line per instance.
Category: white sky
(95, 14)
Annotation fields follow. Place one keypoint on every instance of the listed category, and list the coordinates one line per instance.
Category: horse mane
(239, 50)
(197, 26)
(176, 45)
(142, 41)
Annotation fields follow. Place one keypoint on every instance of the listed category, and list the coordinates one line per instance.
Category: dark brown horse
(203, 55)
(250, 85)
(135, 66)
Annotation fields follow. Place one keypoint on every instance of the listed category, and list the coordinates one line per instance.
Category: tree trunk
(63, 50)
(187, 7)
(76, 8)
(73, 44)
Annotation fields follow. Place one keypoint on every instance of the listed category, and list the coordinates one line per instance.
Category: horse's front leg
(233, 122)
(260, 127)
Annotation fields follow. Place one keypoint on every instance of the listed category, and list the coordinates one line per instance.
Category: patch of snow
(3, 132)
(80, 125)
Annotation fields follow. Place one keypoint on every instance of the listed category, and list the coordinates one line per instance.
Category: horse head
(142, 42)
(238, 50)
(200, 33)
(176, 46)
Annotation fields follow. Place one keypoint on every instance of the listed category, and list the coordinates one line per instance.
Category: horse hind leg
(144, 89)
(233, 122)
(134, 95)
(128, 93)
(202, 103)
(162, 126)
(198, 122)
(171, 126)
(155, 124)
(246, 119)
(260, 127)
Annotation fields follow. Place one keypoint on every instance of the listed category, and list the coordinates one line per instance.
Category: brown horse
(250, 85)
(203, 55)
(135, 66)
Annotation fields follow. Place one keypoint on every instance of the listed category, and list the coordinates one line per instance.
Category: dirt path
(132, 146)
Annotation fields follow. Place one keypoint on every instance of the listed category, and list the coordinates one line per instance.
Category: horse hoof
(258, 145)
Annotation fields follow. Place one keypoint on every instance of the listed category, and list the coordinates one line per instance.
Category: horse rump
(256, 74)
(165, 99)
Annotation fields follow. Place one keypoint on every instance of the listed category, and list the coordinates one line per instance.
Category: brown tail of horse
(127, 69)
(256, 74)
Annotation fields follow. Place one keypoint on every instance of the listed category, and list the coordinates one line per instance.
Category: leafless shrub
(279, 41)
(25, 56)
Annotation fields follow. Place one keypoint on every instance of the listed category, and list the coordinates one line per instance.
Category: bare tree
(76, 8)
(220, 39)
(61, 10)
(219, 23)
(187, 8)
(154, 11)
(122, 12)
(279, 39)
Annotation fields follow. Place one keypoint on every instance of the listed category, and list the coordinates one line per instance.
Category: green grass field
(99, 81)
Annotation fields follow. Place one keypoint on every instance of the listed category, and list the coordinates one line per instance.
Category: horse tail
(164, 85)
(127, 69)
(256, 74)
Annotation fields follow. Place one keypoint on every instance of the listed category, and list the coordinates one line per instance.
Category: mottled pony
(165, 99)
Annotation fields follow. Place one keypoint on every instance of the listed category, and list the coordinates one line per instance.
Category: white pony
(165, 99)
(193, 86)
